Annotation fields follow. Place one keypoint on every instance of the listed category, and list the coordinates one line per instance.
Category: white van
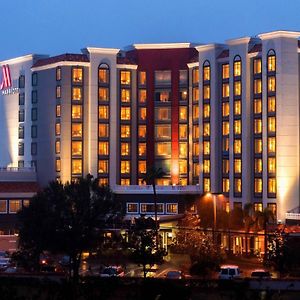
(229, 272)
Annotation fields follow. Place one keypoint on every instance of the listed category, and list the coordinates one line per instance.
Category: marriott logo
(6, 82)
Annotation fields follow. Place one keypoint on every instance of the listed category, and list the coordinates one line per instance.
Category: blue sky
(59, 26)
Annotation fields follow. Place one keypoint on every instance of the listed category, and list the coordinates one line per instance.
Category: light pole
(214, 198)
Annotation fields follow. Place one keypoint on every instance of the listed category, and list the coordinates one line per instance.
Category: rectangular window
(58, 91)
(142, 131)
(142, 149)
(183, 113)
(271, 145)
(237, 88)
(149, 208)
(196, 149)
(33, 148)
(58, 110)
(77, 130)
(103, 166)
(76, 166)
(271, 124)
(77, 93)
(237, 146)
(125, 149)
(58, 74)
(125, 113)
(257, 66)
(257, 126)
(257, 106)
(237, 107)
(206, 166)
(103, 112)
(206, 185)
(76, 111)
(195, 112)
(196, 169)
(183, 95)
(183, 77)
(258, 165)
(237, 68)
(21, 99)
(206, 148)
(125, 167)
(103, 75)
(3, 206)
(57, 146)
(225, 90)
(238, 166)
(257, 185)
(225, 185)
(272, 63)
(196, 94)
(258, 146)
(77, 75)
(132, 207)
(163, 131)
(21, 149)
(163, 149)
(273, 208)
(14, 206)
(225, 109)
(271, 84)
(183, 150)
(34, 131)
(257, 86)
(103, 94)
(143, 113)
(22, 82)
(272, 185)
(76, 148)
(142, 78)
(33, 114)
(162, 96)
(125, 181)
(57, 128)
(206, 73)
(34, 98)
(237, 185)
(195, 75)
(142, 96)
(225, 166)
(21, 132)
(21, 115)
(162, 77)
(271, 165)
(237, 127)
(103, 148)
(125, 131)
(142, 167)
(225, 128)
(206, 130)
(103, 130)
(225, 71)
(163, 113)
(125, 95)
(183, 131)
(271, 104)
(258, 206)
(172, 208)
(125, 77)
(206, 111)
(206, 92)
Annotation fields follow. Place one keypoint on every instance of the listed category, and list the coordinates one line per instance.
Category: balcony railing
(17, 169)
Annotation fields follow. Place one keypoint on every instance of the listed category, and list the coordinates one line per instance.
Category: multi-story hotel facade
(217, 118)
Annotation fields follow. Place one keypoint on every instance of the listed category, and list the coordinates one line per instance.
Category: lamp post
(214, 198)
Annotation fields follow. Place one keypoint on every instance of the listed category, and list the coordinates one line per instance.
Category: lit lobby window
(102, 166)
(237, 185)
(225, 109)
(257, 86)
(125, 131)
(195, 112)
(206, 130)
(125, 77)
(257, 66)
(14, 206)
(142, 131)
(206, 111)
(257, 185)
(271, 124)
(143, 113)
(237, 88)
(195, 94)
(258, 165)
(196, 149)
(77, 93)
(125, 95)
(206, 185)
(142, 167)
(125, 166)
(272, 185)
(183, 113)
(257, 126)
(76, 166)
(125, 113)
(257, 107)
(206, 166)
(76, 130)
(183, 150)
(125, 181)
(103, 130)
(206, 73)
(163, 113)
(172, 208)
(206, 92)
(271, 84)
(76, 148)
(237, 68)
(225, 166)
(103, 148)
(77, 75)
(271, 63)
(225, 128)
(142, 149)
(142, 77)
(206, 148)
(163, 149)
(237, 127)
(125, 149)
(225, 90)
(103, 75)
(182, 167)
(103, 112)
(142, 96)
(258, 206)
(225, 71)
(3, 206)
(271, 165)
(271, 104)
(237, 146)
(103, 94)
(237, 166)
(225, 185)
(183, 131)
(237, 107)
(271, 145)
(103, 181)
(76, 111)
(163, 181)
(258, 146)
(163, 131)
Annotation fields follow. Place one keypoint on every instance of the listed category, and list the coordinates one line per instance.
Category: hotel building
(217, 118)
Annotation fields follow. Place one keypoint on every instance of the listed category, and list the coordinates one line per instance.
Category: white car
(229, 272)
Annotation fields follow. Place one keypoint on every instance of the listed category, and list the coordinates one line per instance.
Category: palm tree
(150, 178)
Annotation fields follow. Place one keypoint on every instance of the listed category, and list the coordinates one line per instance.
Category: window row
(169, 208)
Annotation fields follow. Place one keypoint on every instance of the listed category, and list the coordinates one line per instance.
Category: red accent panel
(19, 187)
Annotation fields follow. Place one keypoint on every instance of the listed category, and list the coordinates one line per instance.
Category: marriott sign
(6, 82)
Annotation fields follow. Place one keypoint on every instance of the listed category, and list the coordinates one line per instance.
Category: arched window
(237, 66)
(206, 70)
(103, 74)
(271, 61)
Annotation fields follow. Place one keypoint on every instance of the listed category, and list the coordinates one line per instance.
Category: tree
(67, 218)
(142, 240)
(150, 178)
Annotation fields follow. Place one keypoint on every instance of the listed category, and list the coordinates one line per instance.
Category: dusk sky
(59, 26)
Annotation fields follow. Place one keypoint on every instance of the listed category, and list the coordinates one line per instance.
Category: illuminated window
(271, 104)
(257, 86)
(258, 165)
(141, 182)
(272, 185)
(237, 107)
(125, 181)
(14, 206)
(271, 124)
(77, 93)
(257, 106)
(237, 88)
(163, 181)
(195, 94)
(57, 146)
(125, 166)
(237, 166)
(271, 84)
(258, 146)
(58, 110)
(76, 130)
(237, 146)
(76, 148)
(206, 166)
(257, 185)
(225, 144)
(76, 111)
(237, 68)
(206, 148)
(182, 166)
(142, 96)
(57, 128)
(172, 208)
(163, 149)
(206, 130)
(57, 165)
(196, 149)
(206, 72)
(103, 112)
(103, 148)
(206, 185)
(237, 185)
(183, 95)
(103, 130)
(143, 113)
(77, 74)
(273, 208)
(206, 91)
(225, 166)
(196, 169)
(142, 131)
(125, 95)
(206, 111)
(125, 77)
(76, 166)
(3, 206)
(225, 127)
(125, 149)
(271, 145)
(103, 166)
(237, 127)
(225, 185)
(103, 94)
(195, 75)
(257, 66)
(257, 126)
(103, 74)
(142, 77)
(225, 71)
(125, 131)
(258, 206)
(195, 112)
(162, 96)
(142, 167)
(183, 131)
(271, 165)
(163, 131)
(58, 73)
(182, 113)
(142, 149)
(182, 150)
(162, 77)
(271, 61)
(163, 113)
(225, 109)
(125, 113)
(103, 181)
(225, 90)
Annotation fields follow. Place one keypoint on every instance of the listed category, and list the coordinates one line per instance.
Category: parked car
(4, 263)
(175, 274)
(229, 272)
(261, 274)
(112, 271)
